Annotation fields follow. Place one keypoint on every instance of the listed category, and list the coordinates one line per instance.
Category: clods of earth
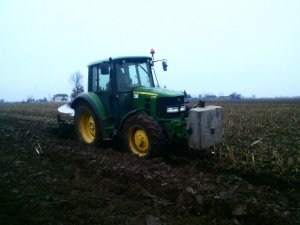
(48, 177)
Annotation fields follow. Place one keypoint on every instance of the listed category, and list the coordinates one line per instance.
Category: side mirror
(164, 65)
(104, 68)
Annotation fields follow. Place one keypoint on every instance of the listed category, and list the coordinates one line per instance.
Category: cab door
(102, 86)
(124, 88)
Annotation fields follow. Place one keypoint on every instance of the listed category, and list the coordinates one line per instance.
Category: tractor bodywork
(123, 100)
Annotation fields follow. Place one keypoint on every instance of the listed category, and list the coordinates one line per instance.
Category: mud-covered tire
(87, 125)
(143, 136)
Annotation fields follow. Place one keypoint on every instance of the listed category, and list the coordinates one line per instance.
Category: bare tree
(76, 80)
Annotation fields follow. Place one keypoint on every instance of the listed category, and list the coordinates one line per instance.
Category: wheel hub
(87, 127)
(140, 139)
(139, 142)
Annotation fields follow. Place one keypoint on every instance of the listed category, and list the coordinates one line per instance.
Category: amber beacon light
(152, 51)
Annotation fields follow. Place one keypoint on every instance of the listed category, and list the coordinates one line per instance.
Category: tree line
(233, 95)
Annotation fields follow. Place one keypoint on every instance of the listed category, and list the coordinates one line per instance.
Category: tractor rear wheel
(143, 136)
(87, 125)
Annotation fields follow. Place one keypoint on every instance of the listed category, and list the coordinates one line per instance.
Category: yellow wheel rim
(138, 141)
(87, 127)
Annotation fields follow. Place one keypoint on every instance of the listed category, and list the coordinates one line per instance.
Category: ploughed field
(48, 177)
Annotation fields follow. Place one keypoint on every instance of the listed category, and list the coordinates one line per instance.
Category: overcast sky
(212, 46)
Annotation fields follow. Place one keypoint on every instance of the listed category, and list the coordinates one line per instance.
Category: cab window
(101, 82)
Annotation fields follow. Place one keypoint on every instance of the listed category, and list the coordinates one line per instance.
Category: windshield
(135, 74)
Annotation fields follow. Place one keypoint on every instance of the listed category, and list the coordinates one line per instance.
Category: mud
(47, 177)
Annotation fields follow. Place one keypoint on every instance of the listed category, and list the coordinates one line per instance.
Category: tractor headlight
(182, 108)
(172, 110)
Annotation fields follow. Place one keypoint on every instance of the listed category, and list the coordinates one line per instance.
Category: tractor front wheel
(87, 125)
(143, 136)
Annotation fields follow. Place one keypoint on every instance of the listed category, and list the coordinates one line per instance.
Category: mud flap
(204, 127)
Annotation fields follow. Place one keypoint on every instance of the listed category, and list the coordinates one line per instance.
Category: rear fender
(94, 102)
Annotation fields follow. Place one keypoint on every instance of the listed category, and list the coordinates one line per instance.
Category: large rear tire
(87, 125)
(143, 136)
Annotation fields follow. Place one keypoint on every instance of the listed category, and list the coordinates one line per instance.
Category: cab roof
(120, 58)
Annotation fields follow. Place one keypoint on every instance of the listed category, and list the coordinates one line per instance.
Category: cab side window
(104, 81)
(100, 81)
(95, 79)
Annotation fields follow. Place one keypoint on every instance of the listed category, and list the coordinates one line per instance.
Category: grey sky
(212, 46)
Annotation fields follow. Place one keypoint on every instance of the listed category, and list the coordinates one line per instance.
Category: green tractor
(125, 102)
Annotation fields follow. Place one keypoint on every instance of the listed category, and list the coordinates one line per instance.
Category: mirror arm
(159, 60)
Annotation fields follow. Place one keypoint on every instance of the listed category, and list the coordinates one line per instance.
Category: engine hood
(155, 91)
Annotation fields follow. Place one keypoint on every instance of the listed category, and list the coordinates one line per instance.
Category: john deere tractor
(125, 102)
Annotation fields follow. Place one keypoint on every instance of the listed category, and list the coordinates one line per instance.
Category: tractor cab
(115, 79)
(120, 74)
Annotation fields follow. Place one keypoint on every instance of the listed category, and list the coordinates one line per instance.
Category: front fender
(132, 112)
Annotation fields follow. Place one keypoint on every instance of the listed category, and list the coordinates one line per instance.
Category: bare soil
(48, 177)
